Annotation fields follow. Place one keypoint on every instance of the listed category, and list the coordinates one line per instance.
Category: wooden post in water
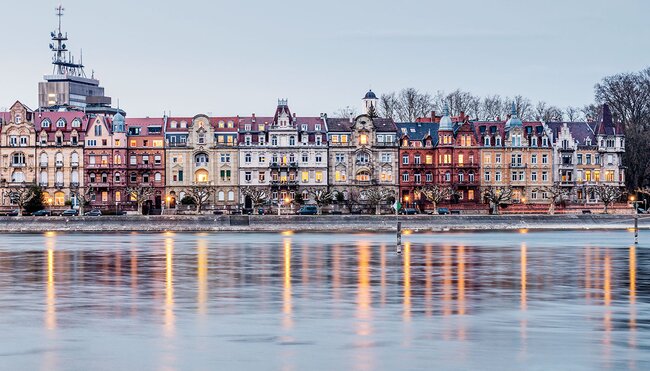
(399, 237)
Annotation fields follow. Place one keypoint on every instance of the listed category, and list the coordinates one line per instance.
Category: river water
(228, 301)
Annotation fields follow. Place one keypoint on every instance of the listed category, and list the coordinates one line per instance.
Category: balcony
(58, 185)
(176, 144)
(145, 184)
(43, 184)
(288, 165)
(43, 163)
(201, 164)
(98, 166)
(74, 164)
(98, 184)
(140, 166)
(74, 185)
(18, 164)
(59, 164)
(518, 166)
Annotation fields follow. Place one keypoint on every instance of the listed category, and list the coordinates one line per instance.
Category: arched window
(60, 123)
(231, 196)
(18, 158)
(92, 177)
(201, 176)
(18, 177)
(76, 123)
(74, 177)
(157, 177)
(59, 198)
(59, 159)
(117, 159)
(221, 196)
(43, 180)
(46, 123)
(292, 140)
(104, 178)
(98, 130)
(59, 177)
(43, 159)
(118, 177)
(363, 176)
(74, 158)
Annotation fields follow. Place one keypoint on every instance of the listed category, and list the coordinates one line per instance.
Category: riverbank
(321, 223)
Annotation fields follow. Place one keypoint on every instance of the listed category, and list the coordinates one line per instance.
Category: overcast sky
(238, 57)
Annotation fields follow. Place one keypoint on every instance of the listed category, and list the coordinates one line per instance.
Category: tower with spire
(370, 102)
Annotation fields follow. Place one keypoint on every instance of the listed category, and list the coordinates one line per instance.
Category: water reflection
(292, 301)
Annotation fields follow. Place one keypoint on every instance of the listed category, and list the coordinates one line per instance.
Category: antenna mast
(63, 64)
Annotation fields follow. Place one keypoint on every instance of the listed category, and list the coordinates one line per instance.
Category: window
(317, 127)
(533, 176)
(292, 140)
(405, 177)
(261, 177)
(319, 158)
(386, 157)
(104, 196)
(363, 158)
(533, 159)
(231, 196)
(497, 176)
(429, 177)
(363, 139)
(45, 123)
(133, 160)
(461, 177)
(319, 176)
(319, 140)
(118, 196)
(448, 177)
(225, 158)
(544, 159)
(544, 176)
(417, 178)
(118, 178)
(363, 176)
(98, 130)
(18, 159)
(471, 177)
(248, 176)
(340, 157)
(579, 157)
(261, 158)
(157, 177)
(405, 159)
(133, 178)
(225, 175)
(470, 194)
(460, 159)
(274, 140)
(180, 175)
(61, 124)
(417, 159)
(486, 176)
(248, 158)
(340, 176)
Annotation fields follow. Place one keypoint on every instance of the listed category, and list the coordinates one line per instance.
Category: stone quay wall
(320, 223)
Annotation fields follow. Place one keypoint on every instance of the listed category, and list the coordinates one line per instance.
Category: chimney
(253, 118)
(351, 118)
(433, 116)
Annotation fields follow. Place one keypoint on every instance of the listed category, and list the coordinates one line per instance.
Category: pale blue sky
(238, 57)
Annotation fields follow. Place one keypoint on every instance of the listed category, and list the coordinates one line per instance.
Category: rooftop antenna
(63, 63)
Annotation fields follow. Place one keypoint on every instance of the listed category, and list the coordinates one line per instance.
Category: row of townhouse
(289, 155)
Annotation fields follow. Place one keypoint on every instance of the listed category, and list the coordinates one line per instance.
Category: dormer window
(247, 140)
(317, 127)
(319, 140)
(545, 141)
(497, 141)
(183, 124)
(174, 124)
(60, 124)
(533, 141)
(247, 127)
(231, 124)
(304, 127)
(486, 141)
(76, 123)
(45, 123)
(222, 124)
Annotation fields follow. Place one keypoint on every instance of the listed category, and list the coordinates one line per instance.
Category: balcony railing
(74, 164)
(74, 185)
(43, 184)
(59, 164)
(18, 165)
(517, 165)
(58, 184)
(99, 184)
(43, 163)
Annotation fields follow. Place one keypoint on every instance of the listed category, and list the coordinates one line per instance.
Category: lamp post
(406, 201)
(287, 200)
(279, 205)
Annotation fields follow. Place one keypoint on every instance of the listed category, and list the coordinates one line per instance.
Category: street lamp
(406, 201)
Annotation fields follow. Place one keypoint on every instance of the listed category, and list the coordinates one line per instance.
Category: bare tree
(321, 197)
(492, 108)
(590, 112)
(523, 106)
(258, 196)
(388, 105)
(496, 195)
(139, 194)
(435, 194)
(84, 196)
(345, 112)
(349, 198)
(546, 113)
(572, 113)
(412, 104)
(628, 96)
(608, 194)
(19, 195)
(376, 196)
(201, 195)
(645, 190)
(556, 194)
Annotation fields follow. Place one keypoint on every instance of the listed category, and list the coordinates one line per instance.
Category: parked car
(641, 210)
(94, 212)
(42, 213)
(443, 211)
(13, 212)
(70, 212)
(408, 211)
(307, 210)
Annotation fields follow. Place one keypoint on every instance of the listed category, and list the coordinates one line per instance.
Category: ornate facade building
(363, 151)
(60, 137)
(146, 158)
(105, 156)
(202, 151)
(586, 154)
(285, 154)
(518, 155)
(417, 155)
(17, 149)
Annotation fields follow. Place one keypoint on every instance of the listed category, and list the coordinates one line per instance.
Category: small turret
(119, 125)
(370, 102)
(445, 121)
(514, 120)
